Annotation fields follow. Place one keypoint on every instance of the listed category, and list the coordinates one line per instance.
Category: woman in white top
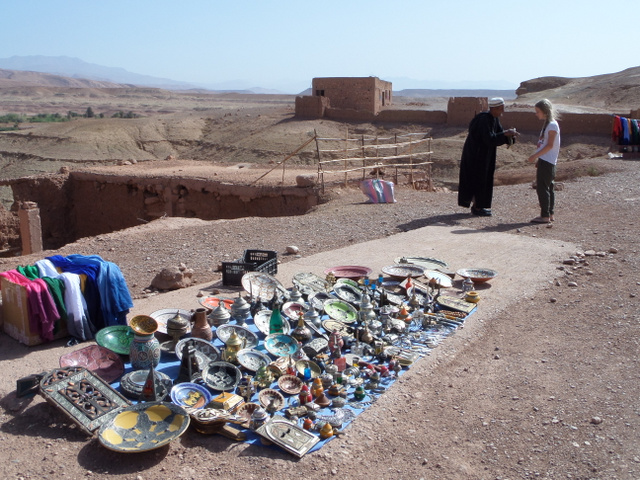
(545, 158)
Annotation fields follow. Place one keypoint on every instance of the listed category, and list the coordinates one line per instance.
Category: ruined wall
(412, 116)
(311, 107)
(461, 110)
(51, 194)
(84, 204)
(570, 123)
(369, 94)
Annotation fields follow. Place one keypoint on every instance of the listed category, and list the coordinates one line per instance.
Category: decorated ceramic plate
(290, 384)
(314, 368)
(205, 351)
(261, 285)
(246, 410)
(477, 275)
(223, 376)
(116, 338)
(317, 300)
(261, 321)
(293, 310)
(337, 326)
(212, 302)
(190, 395)
(143, 427)
(281, 345)
(224, 332)
(311, 281)
(425, 262)
(132, 383)
(99, 360)
(348, 293)
(340, 310)
(439, 279)
(163, 316)
(349, 271)
(403, 270)
(347, 281)
(269, 396)
(252, 359)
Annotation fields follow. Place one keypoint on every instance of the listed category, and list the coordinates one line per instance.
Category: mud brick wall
(81, 204)
(311, 107)
(461, 110)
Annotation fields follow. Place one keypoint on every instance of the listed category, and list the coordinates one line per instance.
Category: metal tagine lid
(219, 316)
(240, 308)
(295, 295)
(177, 326)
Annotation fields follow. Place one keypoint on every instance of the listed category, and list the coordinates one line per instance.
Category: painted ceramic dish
(403, 270)
(317, 300)
(224, 332)
(132, 383)
(212, 302)
(290, 384)
(261, 285)
(439, 279)
(223, 376)
(252, 359)
(348, 293)
(99, 360)
(349, 271)
(293, 310)
(311, 281)
(281, 345)
(477, 275)
(143, 325)
(245, 411)
(272, 397)
(314, 368)
(340, 310)
(144, 427)
(261, 321)
(425, 262)
(205, 351)
(348, 281)
(190, 395)
(337, 326)
(116, 338)
(164, 315)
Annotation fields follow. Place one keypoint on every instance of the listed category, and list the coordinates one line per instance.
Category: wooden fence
(356, 157)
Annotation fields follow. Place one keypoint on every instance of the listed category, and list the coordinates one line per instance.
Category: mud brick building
(361, 94)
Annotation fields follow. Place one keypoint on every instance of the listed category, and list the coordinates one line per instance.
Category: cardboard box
(15, 315)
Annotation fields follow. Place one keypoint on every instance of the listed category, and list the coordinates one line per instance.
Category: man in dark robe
(478, 162)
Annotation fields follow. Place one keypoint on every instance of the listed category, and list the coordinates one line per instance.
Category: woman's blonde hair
(549, 110)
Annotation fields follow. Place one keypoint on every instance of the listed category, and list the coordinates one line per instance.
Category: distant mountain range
(77, 69)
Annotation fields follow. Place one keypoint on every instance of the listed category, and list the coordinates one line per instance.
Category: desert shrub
(12, 118)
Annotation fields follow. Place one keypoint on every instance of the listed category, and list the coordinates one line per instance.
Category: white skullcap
(496, 102)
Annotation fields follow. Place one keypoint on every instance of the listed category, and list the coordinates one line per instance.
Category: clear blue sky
(284, 44)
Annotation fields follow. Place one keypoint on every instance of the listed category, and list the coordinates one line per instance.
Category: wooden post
(364, 161)
(346, 155)
(395, 138)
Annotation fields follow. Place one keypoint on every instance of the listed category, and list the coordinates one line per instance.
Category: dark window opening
(319, 93)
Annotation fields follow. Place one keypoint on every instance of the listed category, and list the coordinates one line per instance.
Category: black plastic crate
(265, 261)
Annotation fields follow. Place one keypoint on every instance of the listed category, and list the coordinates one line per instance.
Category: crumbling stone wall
(461, 110)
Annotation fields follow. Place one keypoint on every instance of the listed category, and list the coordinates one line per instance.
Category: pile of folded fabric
(86, 292)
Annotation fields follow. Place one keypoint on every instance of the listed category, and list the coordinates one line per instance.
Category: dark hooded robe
(478, 162)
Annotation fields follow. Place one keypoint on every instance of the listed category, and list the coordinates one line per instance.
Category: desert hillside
(613, 91)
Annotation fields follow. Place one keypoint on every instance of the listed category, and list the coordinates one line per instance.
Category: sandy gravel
(546, 390)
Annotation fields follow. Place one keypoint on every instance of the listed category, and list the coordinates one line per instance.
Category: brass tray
(288, 436)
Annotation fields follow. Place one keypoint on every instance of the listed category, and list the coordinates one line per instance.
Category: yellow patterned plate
(143, 427)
